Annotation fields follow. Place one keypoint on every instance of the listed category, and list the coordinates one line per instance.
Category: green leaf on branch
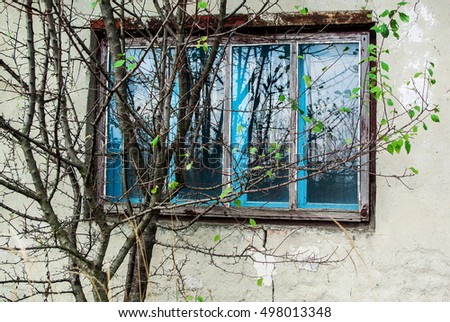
(199, 299)
(189, 165)
(390, 148)
(252, 222)
(154, 190)
(416, 75)
(217, 238)
(384, 30)
(376, 91)
(238, 203)
(269, 173)
(202, 5)
(202, 43)
(425, 127)
(398, 145)
(385, 66)
(411, 113)
(304, 11)
(390, 102)
(355, 92)
(119, 63)
(394, 26)
(131, 66)
(306, 119)
(403, 17)
(407, 146)
(252, 150)
(173, 185)
(274, 146)
(414, 170)
(307, 80)
(259, 282)
(155, 141)
(384, 14)
(282, 98)
(225, 192)
(345, 109)
(318, 127)
(435, 118)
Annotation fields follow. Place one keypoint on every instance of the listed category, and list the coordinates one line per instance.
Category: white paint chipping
(265, 267)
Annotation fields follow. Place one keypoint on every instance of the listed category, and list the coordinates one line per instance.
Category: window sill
(221, 212)
(271, 214)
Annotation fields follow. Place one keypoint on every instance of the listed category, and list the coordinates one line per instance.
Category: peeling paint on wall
(265, 267)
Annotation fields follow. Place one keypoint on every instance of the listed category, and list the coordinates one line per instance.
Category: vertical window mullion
(293, 92)
(364, 170)
(227, 164)
(301, 133)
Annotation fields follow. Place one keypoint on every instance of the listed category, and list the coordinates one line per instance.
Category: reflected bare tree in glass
(260, 75)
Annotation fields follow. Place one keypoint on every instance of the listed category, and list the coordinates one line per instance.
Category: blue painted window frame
(302, 202)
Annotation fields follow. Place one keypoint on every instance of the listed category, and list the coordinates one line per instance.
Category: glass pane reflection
(260, 120)
(334, 73)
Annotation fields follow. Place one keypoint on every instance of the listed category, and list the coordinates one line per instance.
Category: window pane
(333, 131)
(205, 137)
(142, 89)
(260, 120)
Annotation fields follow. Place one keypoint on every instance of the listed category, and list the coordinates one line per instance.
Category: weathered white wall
(405, 257)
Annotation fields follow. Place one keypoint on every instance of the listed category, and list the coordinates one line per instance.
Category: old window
(283, 120)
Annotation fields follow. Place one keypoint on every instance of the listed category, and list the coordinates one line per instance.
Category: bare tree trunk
(139, 265)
